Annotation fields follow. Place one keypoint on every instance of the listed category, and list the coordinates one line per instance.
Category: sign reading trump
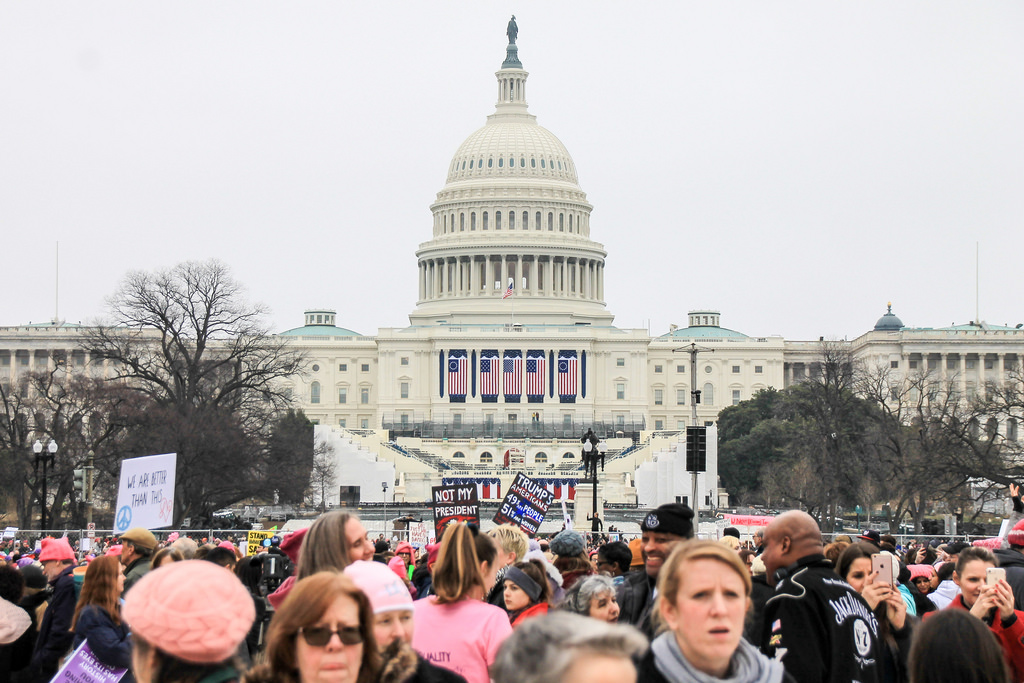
(145, 496)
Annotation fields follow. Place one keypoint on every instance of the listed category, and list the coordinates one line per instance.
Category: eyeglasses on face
(319, 636)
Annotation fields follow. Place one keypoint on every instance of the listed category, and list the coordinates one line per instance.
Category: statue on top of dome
(512, 31)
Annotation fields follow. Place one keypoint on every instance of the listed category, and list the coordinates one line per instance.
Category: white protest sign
(145, 496)
(419, 534)
(10, 532)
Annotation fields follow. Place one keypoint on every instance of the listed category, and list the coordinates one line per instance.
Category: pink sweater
(463, 637)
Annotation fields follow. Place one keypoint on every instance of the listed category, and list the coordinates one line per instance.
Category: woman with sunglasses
(455, 628)
(323, 631)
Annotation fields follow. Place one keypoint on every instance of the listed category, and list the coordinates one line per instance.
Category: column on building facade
(581, 269)
(504, 274)
(474, 276)
(519, 273)
(982, 357)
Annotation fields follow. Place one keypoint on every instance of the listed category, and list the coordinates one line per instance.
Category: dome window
(511, 162)
(533, 163)
(522, 162)
(542, 163)
(463, 164)
(490, 162)
(501, 162)
(481, 164)
(559, 165)
(470, 164)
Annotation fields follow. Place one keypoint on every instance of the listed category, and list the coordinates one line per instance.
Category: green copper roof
(319, 331)
(705, 332)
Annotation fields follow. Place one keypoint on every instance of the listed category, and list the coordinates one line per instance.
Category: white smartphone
(993, 575)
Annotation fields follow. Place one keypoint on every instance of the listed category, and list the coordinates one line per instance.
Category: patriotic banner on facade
(567, 376)
(512, 376)
(458, 374)
(489, 375)
(561, 489)
(486, 487)
(535, 369)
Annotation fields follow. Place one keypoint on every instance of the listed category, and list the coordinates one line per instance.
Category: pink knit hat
(387, 592)
(56, 549)
(921, 570)
(14, 621)
(192, 610)
(292, 544)
(404, 547)
(397, 565)
(114, 550)
(990, 543)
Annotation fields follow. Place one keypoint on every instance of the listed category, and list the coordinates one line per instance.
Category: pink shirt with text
(463, 637)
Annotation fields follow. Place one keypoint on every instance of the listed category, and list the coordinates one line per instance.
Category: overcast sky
(795, 165)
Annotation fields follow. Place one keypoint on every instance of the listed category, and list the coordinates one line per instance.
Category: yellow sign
(256, 539)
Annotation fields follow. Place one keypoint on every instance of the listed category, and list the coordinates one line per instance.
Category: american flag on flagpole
(567, 374)
(512, 373)
(489, 373)
(535, 369)
(458, 365)
(508, 292)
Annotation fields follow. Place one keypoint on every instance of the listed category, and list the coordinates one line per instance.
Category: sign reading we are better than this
(145, 495)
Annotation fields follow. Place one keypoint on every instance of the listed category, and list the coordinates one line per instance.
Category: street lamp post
(47, 459)
(384, 485)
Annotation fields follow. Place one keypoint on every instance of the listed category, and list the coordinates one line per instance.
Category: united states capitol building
(511, 354)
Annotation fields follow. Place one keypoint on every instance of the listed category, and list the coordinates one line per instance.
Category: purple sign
(84, 667)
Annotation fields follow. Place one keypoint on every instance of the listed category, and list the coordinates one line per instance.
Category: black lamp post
(47, 459)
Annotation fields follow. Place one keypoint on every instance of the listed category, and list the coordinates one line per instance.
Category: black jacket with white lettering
(820, 627)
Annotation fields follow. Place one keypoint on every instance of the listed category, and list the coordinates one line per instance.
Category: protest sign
(84, 667)
(255, 541)
(749, 520)
(525, 505)
(454, 504)
(10, 532)
(145, 496)
(419, 534)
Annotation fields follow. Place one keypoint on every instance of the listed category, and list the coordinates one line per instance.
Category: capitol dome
(511, 222)
(512, 149)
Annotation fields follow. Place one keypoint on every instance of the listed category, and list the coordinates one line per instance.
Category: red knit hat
(1016, 535)
(56, 549)
(192, 610)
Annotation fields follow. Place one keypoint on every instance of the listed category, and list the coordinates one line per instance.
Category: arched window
(707, 397)
(542, 165)
(540, 458)
(568, 455)
(486, 457)
(485, 220)
(511, 220)
(536, 221)
(526, 220)
(314, 392)
(490, 163)
(561, 222)
(462, 222)
(1011, 429)
(570, 222)
(551, 220)
(992, 428)
(497, 220)
(522, 162)
(472, 221)
(501, 162)
(470, 164)
(459, 454)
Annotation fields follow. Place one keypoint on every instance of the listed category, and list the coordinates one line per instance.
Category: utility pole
(693, 350)
(88, 487)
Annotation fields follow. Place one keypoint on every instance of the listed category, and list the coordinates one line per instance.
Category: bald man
(819, 627)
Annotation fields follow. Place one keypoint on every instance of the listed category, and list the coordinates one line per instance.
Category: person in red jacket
(993, 604)
(527, 593)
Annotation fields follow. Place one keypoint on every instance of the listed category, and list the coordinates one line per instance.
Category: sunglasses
(319, 636)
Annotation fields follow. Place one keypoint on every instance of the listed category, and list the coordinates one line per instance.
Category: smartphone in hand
(993, 575)
(883, 565)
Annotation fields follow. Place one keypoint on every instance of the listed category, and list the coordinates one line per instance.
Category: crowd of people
(328, 603)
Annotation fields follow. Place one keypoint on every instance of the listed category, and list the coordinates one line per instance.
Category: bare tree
(187, 340)
(323, 474)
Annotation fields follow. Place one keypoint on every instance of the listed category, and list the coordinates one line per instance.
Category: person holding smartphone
(987, 596)
(873, 575)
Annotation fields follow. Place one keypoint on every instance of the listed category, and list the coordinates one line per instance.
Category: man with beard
(662, 530)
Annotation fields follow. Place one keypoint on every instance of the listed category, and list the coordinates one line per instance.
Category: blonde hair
(670, 578)
(512, 539)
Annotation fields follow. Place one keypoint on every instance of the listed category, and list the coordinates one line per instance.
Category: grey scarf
(748, 664)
